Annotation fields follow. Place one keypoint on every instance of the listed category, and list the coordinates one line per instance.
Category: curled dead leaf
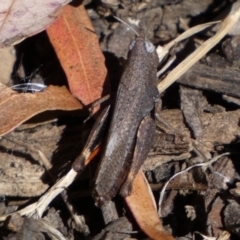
(16, 107)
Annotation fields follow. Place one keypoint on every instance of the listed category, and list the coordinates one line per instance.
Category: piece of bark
(153, 162)
(117, 230)
(215, 218)
(223, 173)
(231, 49)
(222, 80)
(162, 172)
(175, 185)
(167, 147)
(168, 204)
(21, 146)
(172, 136)
(53, 217)
(175, 120)
(30, 228)
(109, 212)
(20, 178)
(216, 61)
(192, 104)
(219, 129)
(174, 144)
(232, 217)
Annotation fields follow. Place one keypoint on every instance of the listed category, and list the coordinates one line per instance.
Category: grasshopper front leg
(145, 136)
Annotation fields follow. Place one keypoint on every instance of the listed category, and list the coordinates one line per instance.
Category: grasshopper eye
(131, 45)
(149, 46)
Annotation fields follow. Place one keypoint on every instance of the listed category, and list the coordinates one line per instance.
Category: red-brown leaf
(76, 45)
(16, 108)
(141, 204)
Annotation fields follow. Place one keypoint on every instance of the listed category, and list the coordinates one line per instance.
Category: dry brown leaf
(76, 44)
(16, 107)
(142, 206)
(23, 18)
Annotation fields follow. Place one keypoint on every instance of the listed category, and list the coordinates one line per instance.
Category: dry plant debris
(200, 124)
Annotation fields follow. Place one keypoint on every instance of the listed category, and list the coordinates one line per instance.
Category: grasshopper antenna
(120, 20)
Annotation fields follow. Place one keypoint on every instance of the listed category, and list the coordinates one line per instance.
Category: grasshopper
(132, 124)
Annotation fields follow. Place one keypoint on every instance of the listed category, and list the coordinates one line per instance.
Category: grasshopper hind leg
(145, 136)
